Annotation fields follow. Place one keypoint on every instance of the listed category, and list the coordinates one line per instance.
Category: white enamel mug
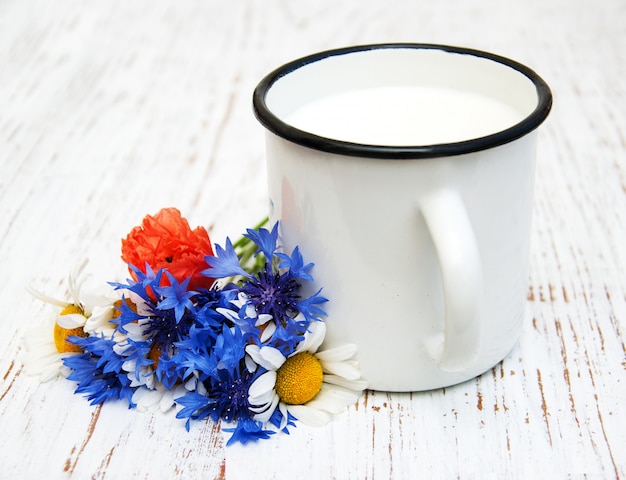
(405, 173)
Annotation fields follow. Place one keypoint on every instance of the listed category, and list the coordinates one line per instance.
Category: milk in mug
(404, 116)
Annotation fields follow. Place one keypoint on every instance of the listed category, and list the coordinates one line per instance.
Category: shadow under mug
(405, 173)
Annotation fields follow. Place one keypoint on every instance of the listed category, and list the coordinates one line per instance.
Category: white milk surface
(404, 116)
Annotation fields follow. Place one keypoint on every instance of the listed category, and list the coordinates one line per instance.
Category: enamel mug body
(405, 173)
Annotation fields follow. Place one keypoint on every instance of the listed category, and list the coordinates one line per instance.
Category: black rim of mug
(275, 125)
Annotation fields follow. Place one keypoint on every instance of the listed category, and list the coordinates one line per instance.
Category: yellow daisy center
(154, 354)
(61, 334)
(299, 379)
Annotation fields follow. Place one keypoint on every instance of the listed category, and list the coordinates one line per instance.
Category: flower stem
(250, 259)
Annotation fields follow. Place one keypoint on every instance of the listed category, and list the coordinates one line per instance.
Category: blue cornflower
(199, 339)
(287, 335)
(127, 315)
(164, 329)
(243, 318)
(166, 319)
(169, 371)
(265, 240)
(149, 278)
(275, 290)
(247, 430)
(273, 293)
(230, 348)
(136, 357)
(176, 297)
(225, 263)
(309, 307)
(145, 281)
(225, 379)
(98, 371)
(198, 360)
(230, 392)
(195, 407)
(295, 264)
(207, 304)
(226, 398)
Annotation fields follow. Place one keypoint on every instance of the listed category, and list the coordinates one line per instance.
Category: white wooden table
(112, 110)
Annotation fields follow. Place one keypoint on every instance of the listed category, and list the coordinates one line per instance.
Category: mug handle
(457, 347)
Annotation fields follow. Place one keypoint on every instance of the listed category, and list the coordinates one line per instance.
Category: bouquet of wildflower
(229, 335)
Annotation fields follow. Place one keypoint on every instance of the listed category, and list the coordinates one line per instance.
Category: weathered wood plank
(109, 111)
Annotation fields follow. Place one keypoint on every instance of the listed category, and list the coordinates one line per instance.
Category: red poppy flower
(165, 241)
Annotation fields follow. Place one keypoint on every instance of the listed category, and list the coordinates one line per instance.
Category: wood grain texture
(111, 110)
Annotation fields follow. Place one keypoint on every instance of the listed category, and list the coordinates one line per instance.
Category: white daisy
(75, 312)
(310, 385)
(46, 345)
(158, 399)
(40, 356)
(99, 323)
